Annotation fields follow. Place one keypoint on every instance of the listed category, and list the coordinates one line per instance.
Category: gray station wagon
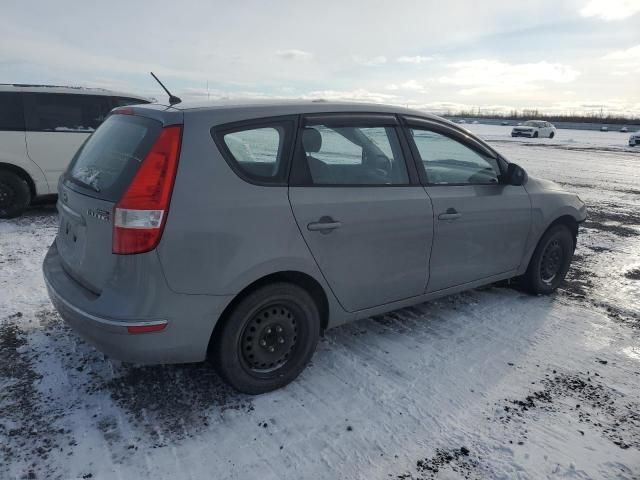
(242, 231)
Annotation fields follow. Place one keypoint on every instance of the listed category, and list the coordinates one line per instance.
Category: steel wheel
(269, 339)
(551, 261)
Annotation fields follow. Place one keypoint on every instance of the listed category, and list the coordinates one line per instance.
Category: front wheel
(535, 134)
(552, 134)
(550, 261)
(268, 338)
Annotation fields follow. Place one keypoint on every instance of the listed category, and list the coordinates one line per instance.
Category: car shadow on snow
(173, 401)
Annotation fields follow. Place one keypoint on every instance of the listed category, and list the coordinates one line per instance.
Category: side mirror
(516, 175)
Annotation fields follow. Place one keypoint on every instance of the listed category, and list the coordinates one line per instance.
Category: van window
(351, 155)
(54, 112)
(11, 112)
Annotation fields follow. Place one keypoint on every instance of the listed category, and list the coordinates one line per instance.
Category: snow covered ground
(491, 383)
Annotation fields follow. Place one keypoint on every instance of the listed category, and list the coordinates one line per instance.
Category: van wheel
(550, 261)
(15, 195)
(552, 134)
(268, 338)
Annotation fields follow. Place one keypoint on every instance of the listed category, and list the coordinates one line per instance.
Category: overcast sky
(571, 55)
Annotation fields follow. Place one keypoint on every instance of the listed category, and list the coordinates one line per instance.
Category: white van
(41, 128)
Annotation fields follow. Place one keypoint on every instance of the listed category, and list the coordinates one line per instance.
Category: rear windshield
(108, 160)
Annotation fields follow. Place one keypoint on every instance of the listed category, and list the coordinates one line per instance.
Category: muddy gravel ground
(491, 383)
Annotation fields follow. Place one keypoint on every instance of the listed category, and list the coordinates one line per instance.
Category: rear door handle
(450, 214)
(324, 225)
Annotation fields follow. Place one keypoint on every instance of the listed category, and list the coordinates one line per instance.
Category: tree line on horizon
(535, 114)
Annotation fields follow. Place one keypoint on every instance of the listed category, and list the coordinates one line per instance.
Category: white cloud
(415, 60)
(624, 62)
(293, 54)
(358, 95)
(372, 61)
(483, 75)
(611, 9)
(412, 85)
(629, 54)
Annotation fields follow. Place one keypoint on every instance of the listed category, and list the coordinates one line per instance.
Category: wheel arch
(566, 219)
(570, 222)
(304, 280)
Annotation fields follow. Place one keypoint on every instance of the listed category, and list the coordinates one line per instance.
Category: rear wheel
(15, 194)
(268, 338)
(550, 261)
(552, 134)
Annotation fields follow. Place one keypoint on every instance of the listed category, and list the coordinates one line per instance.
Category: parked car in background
(634, 139)
(41, 127)
(244, 230)
(534, 129)
(604, 128)
(624, 129)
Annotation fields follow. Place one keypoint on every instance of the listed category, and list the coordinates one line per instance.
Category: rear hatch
(97, 178)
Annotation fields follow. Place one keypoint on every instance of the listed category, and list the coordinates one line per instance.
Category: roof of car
(283, 107)
(24, 87)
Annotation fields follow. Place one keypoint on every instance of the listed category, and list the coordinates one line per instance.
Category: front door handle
(450, 214)
(324, 225)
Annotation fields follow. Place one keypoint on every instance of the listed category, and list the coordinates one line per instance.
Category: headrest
(311, 140)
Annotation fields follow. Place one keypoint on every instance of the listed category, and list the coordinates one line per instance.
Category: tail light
(141, 213)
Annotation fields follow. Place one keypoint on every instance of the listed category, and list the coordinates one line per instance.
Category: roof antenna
(172, 98)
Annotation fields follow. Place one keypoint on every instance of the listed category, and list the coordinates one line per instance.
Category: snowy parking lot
(490, 383)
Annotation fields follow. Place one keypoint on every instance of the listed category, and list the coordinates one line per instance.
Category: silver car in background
(534, 129)
(243, 231)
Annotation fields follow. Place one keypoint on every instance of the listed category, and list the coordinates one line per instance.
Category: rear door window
(11, 111)
(108, 160)
(55, 112)
(350, 155)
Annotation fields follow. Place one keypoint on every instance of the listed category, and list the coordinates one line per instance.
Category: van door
(57, 125)
(367, 224)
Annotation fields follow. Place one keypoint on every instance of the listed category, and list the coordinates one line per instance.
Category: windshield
(532, 123)
(110, 157)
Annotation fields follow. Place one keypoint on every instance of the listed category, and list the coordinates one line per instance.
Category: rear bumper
(189, 321)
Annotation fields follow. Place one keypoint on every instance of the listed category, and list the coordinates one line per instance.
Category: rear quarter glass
(108, 160)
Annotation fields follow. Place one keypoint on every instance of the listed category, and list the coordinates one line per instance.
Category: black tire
(535, 134)
(550, 261)
(552, 134)
(15, 195)
(268, 338)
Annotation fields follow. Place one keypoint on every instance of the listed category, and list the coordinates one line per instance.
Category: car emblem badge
(100, 214)
(65, 197)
